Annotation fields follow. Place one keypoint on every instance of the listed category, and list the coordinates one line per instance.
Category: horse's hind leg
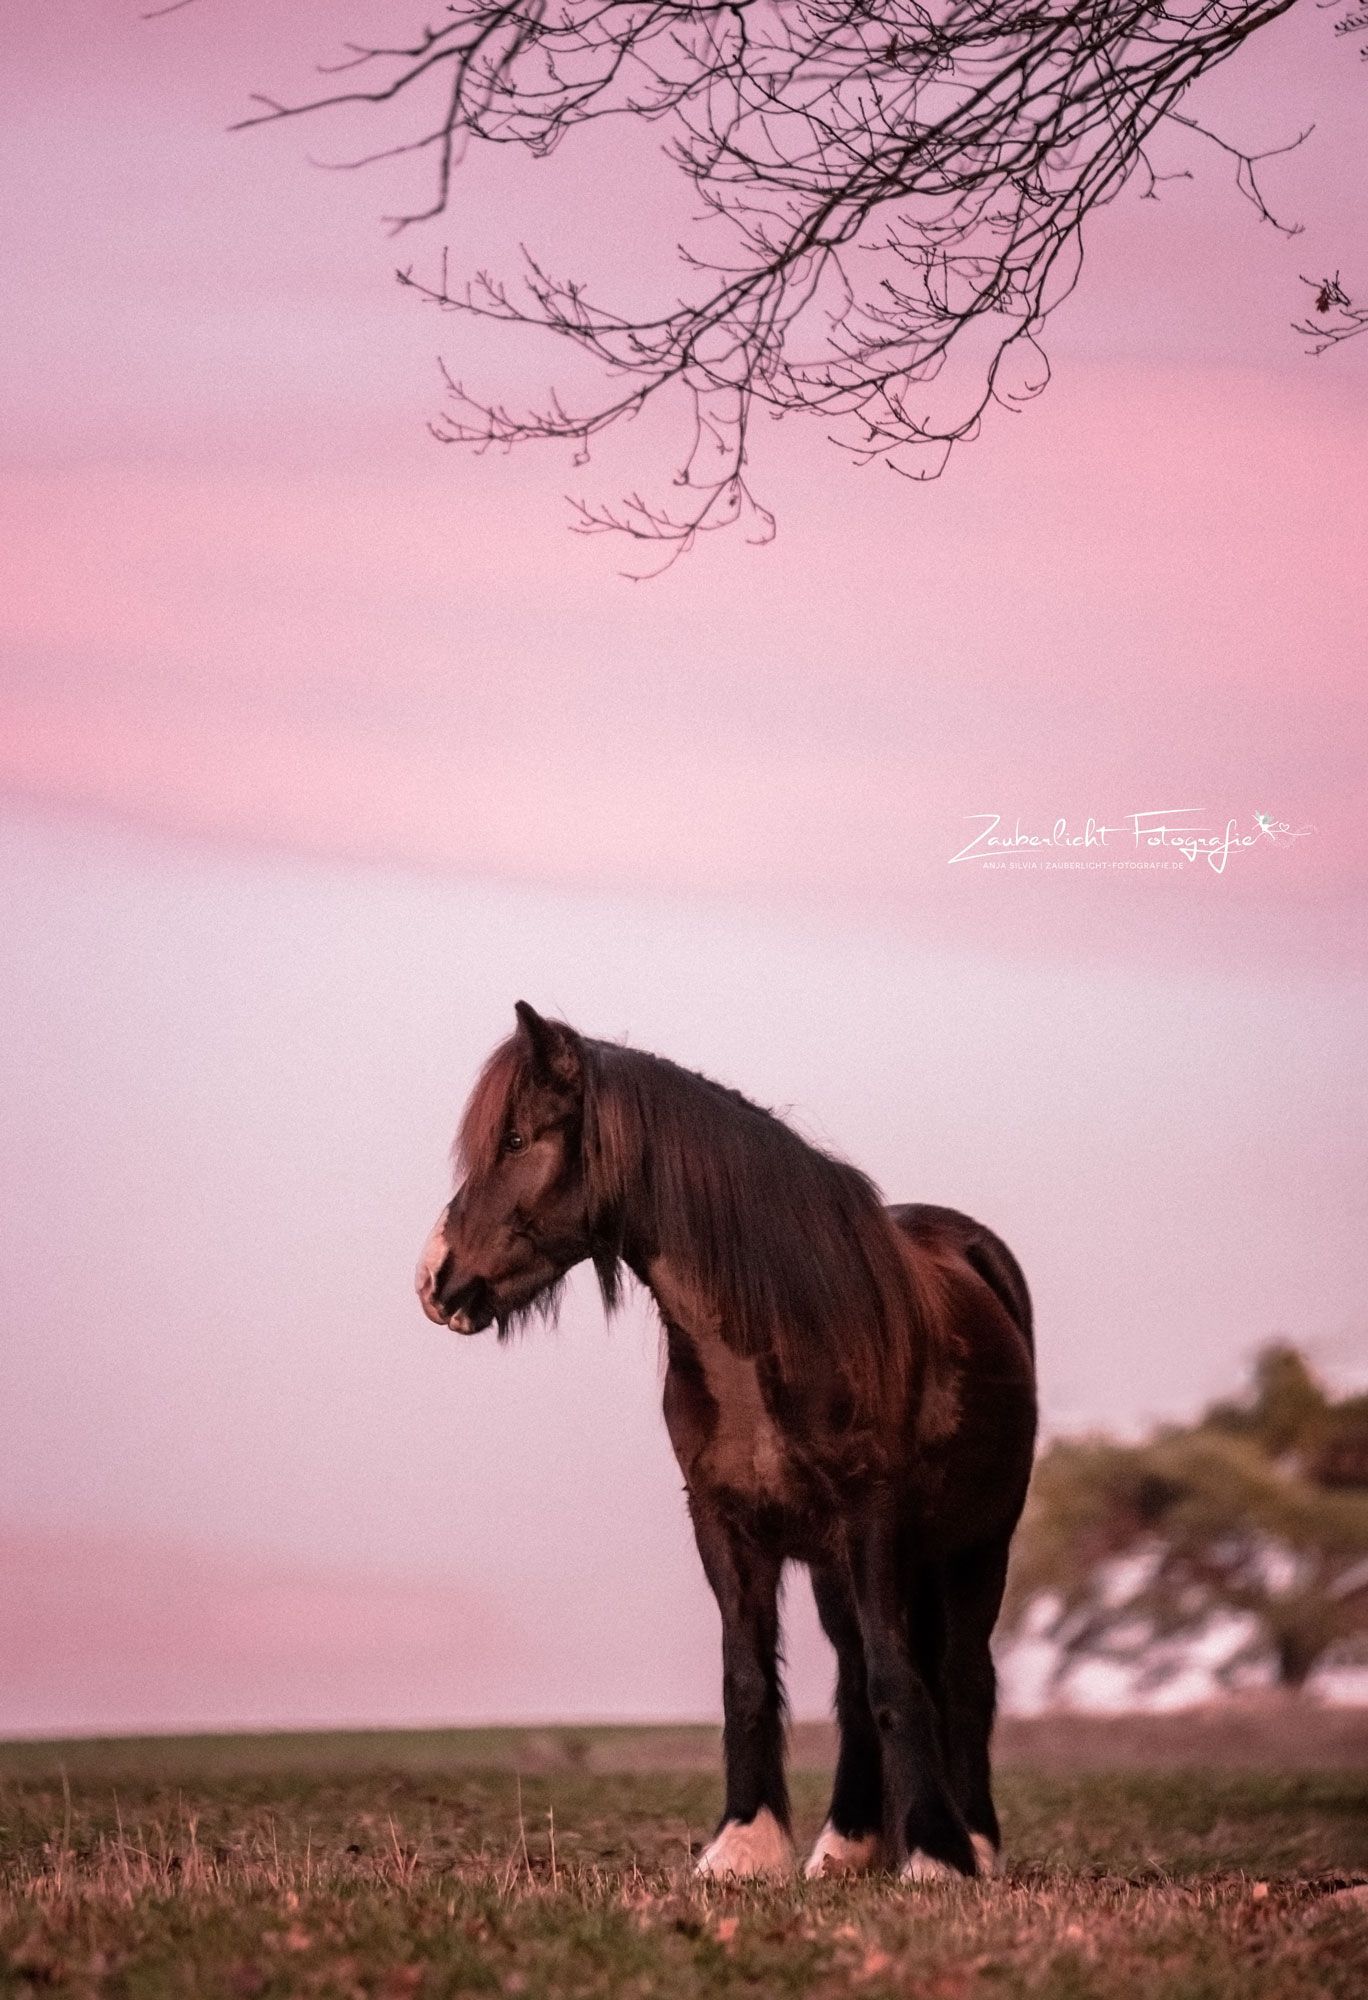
(923, 1825)
(849, 1841)
(972, 1587)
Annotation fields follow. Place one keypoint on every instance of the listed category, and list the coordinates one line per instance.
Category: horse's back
(947, 1229)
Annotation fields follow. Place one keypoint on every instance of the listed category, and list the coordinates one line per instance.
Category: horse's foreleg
(850, 1840)
(753, 1835)
(924, 1830)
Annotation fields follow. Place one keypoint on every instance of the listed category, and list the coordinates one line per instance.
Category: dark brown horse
(848, 1385)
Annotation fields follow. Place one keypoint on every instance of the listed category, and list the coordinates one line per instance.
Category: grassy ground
(1191, 1860)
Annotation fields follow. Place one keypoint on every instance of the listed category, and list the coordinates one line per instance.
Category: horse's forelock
(485, 1117)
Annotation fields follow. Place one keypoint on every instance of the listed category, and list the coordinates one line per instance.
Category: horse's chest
(722, 1429)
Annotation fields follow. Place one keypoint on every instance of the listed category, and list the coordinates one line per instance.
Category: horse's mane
(792, 1246)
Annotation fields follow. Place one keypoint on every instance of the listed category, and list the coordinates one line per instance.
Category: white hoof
(920, 1867)
(841, 1853)
(748, 1847)
(987, 1856)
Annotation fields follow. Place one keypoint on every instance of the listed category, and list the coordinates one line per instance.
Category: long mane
(791, 1246)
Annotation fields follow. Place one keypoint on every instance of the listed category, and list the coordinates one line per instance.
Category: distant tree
(881, 187)
(1251, 1522)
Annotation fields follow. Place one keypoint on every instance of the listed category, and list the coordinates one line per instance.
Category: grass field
(1189, 1857)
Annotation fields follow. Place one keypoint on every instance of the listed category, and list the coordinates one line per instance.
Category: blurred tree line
(1246, 1530)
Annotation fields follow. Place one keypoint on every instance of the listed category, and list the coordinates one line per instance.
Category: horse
(847, 1385)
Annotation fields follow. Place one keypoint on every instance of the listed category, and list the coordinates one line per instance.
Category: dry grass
(388, 1879)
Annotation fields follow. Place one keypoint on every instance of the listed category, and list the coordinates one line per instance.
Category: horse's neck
(679, 1298)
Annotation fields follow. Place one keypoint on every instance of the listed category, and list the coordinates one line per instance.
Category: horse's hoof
(842, 1853)
(920, 1867)
(758, 1846)
(987, 1856)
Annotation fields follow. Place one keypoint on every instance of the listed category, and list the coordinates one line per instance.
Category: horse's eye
(513, 1142)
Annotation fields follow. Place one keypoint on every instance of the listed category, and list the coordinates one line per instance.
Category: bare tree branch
(893, 192)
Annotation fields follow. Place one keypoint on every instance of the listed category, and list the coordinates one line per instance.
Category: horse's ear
(553, 1049)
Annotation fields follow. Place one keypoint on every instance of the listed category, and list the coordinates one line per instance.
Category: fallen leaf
(726, 1929)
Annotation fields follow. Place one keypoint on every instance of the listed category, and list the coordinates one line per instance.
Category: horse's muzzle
(465, 1308)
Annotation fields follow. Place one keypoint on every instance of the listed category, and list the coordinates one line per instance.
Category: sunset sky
(320, 745)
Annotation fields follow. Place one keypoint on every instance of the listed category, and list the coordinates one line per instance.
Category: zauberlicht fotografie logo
(1176, 839)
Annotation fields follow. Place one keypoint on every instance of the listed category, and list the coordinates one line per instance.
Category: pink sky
(318, 745)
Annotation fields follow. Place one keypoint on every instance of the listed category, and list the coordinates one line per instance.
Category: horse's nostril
(452, 1295)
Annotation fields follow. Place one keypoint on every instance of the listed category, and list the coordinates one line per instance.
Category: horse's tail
(984, 1253)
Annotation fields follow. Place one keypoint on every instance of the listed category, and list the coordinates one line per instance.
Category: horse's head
(520, 1218)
